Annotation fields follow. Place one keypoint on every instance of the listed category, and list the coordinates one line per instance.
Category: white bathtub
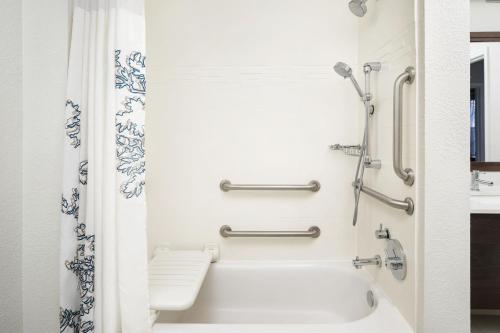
(291, 297)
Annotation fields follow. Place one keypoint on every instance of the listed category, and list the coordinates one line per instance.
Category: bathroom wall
(45, 36)
(11, 174)
(31, 100)
(245, 91)
(444, 223)
(484, 15)
(390, 38)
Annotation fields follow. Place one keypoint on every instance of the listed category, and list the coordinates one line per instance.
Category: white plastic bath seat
(175, 278)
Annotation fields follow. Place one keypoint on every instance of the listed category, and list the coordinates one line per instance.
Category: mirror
(485, 99)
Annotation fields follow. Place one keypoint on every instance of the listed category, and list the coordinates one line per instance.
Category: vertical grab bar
(407, 175)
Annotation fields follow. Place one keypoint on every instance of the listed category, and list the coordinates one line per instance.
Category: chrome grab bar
(407, 175)
(407, 204)
(226, 186)
(226, 231)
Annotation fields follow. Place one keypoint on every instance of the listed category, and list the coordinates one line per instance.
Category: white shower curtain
(103, 233)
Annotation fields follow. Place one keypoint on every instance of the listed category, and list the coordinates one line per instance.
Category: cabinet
(485, 261)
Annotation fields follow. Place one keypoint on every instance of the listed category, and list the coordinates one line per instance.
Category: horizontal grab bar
(407, 204)
(226, 231)
(226, 186)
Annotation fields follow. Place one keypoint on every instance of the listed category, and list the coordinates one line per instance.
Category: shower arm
(357, 87)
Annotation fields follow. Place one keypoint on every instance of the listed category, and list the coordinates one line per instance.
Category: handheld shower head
(358, 7)
(345, 71)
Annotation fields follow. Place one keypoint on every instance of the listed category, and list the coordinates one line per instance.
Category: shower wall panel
(387, 34)
(245, 90)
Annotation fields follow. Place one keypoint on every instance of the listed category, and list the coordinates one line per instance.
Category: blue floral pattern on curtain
(129, 134)
(78, 320)
(103, 204)
(131, 165)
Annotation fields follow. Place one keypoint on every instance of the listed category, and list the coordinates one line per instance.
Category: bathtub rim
(382, 301)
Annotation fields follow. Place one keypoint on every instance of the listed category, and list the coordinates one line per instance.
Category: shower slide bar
(407, 204)
(226, 186)
(407, 175)
(313, 232)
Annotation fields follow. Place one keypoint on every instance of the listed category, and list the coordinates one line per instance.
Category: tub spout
(375, 261)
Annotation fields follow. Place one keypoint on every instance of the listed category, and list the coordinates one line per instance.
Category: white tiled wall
(390, 38)
(244, 90)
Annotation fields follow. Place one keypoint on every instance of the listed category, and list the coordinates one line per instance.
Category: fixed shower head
(345, 71)
(358, 7)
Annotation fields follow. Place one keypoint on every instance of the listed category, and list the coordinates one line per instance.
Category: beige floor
(485, 324)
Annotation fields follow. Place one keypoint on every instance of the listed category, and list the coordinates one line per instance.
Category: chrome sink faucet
(375, 261)
(475, 181)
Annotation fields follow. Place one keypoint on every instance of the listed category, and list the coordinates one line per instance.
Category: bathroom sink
(485, 190)
(482, 203)
(487, 199)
